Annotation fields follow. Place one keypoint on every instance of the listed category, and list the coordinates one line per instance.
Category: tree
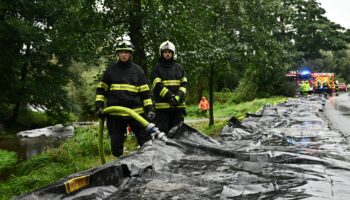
(39, 40)
(311, 30)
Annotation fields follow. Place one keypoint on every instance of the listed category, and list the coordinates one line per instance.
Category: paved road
(337, 109)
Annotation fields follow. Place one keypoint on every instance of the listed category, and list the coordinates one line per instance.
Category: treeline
(51, 50)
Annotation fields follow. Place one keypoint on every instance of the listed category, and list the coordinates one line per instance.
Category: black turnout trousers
(117, 128)
(166, 119)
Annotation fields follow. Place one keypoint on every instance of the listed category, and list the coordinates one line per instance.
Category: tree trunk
(136, 36)
(199, 90)
(24, 73)
(211, 95)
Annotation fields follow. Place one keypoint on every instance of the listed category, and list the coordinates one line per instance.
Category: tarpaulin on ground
(286, 151)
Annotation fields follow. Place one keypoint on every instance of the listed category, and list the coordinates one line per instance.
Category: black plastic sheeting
(286, 151)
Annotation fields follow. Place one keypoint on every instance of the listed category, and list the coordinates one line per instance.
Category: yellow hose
(123, 110)
(115, 110)
(101, 150)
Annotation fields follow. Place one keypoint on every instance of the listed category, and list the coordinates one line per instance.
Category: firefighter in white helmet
(169, 84)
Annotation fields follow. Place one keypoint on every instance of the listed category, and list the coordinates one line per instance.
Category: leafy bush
(288, 89)
(33, 119)
(225, 90)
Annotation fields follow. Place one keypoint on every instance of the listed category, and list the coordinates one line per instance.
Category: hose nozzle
(156, 133)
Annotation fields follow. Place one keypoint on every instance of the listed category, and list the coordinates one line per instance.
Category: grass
(76, 154)
(7, 160)
(81, 151)
(225, 110)
(212, 131)
(229, 109)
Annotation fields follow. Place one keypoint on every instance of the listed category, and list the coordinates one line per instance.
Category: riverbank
(81, 152)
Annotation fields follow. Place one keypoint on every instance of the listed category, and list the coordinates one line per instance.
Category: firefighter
(124, 84)
(337, 86)
(325, 87)
(169, 88)
(319, 87)
(303, 88)
(307, 87)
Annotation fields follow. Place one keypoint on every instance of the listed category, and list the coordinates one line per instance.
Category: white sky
(337, 11)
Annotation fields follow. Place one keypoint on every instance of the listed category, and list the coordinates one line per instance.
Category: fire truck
(323, 82)
(319, 82)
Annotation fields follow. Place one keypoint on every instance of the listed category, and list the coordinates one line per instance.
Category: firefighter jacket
(168, 80)
(124, 84)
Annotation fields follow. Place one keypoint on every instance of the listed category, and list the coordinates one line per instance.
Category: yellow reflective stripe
(144, 88)
(76, 183)
(137, 110)
(171, 83)
(155, 81)
(162, 105)
(163, 92)
(183, 89)
(100, 98)
(147, 102)
(184, 79)
(127, 87)
(167, 105)
(102, 85)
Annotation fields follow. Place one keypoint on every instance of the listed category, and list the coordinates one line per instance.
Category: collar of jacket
(124, 64)
(166, 63)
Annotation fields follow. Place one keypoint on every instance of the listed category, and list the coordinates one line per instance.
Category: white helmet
(167, 45)
(124, 45)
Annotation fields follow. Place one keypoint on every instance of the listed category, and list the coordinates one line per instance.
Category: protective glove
(177, 97)
(100, 113)
(151, 116)
(174, 100)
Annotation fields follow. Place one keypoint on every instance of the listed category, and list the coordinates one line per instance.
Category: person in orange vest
(204, 105)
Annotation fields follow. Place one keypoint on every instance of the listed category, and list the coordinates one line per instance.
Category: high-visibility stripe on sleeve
(184, 79)
(155, 81)
(147, 102)
(144, 88)
(125, 87)
(162, 105)
(163, 92)
(171, 83)
(100, 98)
(167, 105)
(183, 89)
(102, 85)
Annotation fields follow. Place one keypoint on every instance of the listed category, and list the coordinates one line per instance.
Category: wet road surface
(337, 109)
(288, 151)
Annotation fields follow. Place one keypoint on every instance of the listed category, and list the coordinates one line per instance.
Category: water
(337, 109)
(27, 148)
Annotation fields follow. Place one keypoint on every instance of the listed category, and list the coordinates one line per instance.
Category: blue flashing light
(305, 72)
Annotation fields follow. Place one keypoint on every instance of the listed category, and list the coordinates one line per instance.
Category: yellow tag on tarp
(76, 183)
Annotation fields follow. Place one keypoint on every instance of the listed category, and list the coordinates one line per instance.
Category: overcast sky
(337, 11)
